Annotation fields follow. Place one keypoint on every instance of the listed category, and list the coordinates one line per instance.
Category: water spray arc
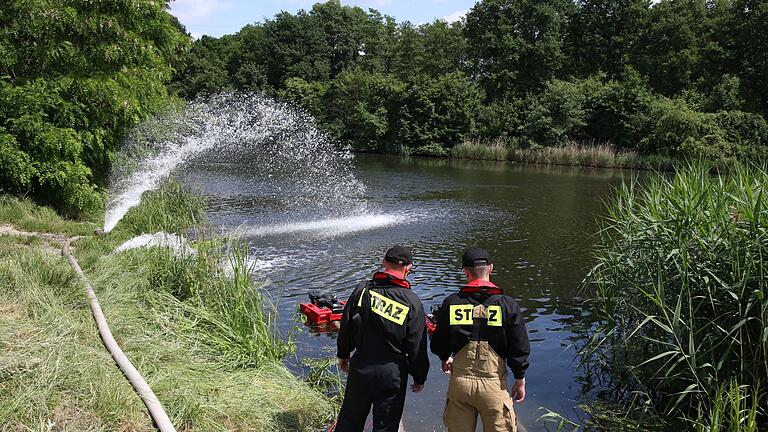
(227, 127)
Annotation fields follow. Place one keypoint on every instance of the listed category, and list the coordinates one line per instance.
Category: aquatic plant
(680, 288)
(479, 150)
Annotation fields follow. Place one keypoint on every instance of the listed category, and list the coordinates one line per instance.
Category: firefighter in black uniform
(384, 324)
(480, 332)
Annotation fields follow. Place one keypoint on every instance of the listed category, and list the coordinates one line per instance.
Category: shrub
(680, 131)
(554, 116)
(434, 150)
(437, 110)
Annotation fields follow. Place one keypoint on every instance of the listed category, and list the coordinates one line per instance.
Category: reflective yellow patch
(461, 314)
(494, 316)
(388, 308)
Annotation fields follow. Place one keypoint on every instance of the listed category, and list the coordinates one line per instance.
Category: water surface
(538, 223)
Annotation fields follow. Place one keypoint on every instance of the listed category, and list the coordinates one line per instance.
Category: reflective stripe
(461, 314)
(494, 316)
(388, 308)
(360, 299)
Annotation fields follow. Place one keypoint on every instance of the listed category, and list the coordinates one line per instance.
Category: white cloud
(456, 16)
(197, 11)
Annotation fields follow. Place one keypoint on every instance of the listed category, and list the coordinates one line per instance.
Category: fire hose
(138, 382)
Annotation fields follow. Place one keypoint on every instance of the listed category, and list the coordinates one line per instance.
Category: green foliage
(437, 111)
(554, 116)
(551, 73)
(362, 107)
(516, 46)
(680, 288)
(74, 77)
(603, 35)
(733, 409)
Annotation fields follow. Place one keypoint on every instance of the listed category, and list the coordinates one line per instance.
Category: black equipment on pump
(326, 300)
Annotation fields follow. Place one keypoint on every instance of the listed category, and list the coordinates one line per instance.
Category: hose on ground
(138, 382)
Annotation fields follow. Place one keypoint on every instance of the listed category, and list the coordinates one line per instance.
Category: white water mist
(227, 126)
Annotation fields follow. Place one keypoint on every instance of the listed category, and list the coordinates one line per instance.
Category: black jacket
(506, 333)
(384, 321)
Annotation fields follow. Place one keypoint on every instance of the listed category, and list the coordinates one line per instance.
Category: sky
(220, 17)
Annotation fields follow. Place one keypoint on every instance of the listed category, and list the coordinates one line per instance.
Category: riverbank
(195, 326)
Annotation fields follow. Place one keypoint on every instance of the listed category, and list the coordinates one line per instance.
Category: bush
(555, 116)
(617, 112)
(74, 78)
(432, 150)
(680, 131)
(680, 288)
(361, 109)
(438, 111)
(746, 132)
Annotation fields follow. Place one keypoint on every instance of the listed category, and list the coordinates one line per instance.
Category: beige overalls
(478, 385)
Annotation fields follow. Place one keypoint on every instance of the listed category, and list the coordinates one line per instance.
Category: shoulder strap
(364, 285)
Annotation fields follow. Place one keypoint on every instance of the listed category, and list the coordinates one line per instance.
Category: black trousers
(380, 385)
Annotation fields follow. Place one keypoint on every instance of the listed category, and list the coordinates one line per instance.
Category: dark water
(538, 223)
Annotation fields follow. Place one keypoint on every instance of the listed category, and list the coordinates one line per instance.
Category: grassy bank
(598, 156)
(680, 290)
(197, 327)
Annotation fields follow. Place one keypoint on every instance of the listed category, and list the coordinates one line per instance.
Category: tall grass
(601, 156)
(732, 409)
(172, 207)
(25, 215)
(680, 288)
(478, 150)
(199, 329)
(572, 154)
(214, 302)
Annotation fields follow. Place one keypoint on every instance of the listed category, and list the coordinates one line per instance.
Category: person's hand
(417, 387)
(344, 365)
(518, 391)
(448, 366)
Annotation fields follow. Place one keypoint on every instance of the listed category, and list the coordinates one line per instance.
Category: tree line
(677, 77)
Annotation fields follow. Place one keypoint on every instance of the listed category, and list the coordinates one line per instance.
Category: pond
(538, 222)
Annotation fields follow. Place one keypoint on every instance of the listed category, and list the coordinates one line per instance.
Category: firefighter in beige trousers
(480, 331)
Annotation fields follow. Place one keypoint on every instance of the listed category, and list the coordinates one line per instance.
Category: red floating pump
(322, 308)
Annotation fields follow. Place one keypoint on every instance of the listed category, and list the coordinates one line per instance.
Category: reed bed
(497, 151)
(573, 154)
(680, 289)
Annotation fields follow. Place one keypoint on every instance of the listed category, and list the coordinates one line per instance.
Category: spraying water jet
(283, 140)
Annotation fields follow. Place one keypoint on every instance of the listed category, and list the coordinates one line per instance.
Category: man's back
(383, 330)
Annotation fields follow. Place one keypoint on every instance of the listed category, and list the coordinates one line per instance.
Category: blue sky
(219, 17)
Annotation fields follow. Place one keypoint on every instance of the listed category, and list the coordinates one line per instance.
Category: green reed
(496, 151)
(680, 288)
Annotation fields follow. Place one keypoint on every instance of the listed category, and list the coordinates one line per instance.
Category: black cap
(476, 257)
(399, 255)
